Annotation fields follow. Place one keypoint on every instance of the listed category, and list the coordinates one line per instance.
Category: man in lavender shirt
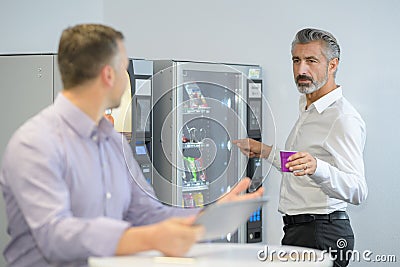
(71, 185)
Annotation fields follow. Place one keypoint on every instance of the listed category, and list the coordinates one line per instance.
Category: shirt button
(108, 195)
(94, 138)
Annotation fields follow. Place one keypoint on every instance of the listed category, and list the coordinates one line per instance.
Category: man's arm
(252, 148)
(345, 179)
(173, 236)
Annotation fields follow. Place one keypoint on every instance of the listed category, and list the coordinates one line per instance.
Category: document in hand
(220, 219)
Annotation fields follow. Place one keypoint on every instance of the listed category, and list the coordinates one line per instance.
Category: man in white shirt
(327, 172)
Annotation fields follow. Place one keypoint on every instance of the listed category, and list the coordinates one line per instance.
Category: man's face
(310, 67)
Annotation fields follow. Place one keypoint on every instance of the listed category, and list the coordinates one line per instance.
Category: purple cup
(284, 156)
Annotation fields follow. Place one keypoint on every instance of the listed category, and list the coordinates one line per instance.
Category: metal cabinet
(27, 85)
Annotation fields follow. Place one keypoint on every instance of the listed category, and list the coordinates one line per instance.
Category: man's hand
(252, 148)
(236, 193)
(302, 163)
(172, 237)
(175, 236)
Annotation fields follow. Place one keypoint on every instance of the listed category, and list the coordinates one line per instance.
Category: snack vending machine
(199, 108)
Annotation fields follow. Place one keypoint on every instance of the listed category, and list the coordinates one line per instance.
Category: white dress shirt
(334, 133)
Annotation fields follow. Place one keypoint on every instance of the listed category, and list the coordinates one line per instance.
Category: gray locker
(28, 83)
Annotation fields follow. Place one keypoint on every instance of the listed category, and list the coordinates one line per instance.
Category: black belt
(306, 218)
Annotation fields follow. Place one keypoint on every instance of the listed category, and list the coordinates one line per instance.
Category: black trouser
(334, 236)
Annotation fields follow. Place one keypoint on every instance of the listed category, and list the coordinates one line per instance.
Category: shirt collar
(324, 102)
(79, 121)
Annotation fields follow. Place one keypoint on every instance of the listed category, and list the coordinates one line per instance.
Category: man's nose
(302, 69)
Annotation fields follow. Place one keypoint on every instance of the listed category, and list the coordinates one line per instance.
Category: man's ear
(107, 75)
(333, 65)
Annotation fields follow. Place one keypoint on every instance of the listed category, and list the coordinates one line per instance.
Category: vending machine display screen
(140, 150)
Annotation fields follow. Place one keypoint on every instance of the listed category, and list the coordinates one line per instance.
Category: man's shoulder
(342, 107)
(345, 116)
(37, 131)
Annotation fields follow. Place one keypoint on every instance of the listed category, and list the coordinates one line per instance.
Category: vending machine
(133, 117)
(199, 108)
(254, 165)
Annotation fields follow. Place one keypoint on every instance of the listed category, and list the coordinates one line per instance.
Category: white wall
(258, 31)
(36, 26)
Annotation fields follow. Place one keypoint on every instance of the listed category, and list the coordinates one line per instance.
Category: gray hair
(332, 49)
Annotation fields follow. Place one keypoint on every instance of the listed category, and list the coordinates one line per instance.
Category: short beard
(310, 88)
(307, 88)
